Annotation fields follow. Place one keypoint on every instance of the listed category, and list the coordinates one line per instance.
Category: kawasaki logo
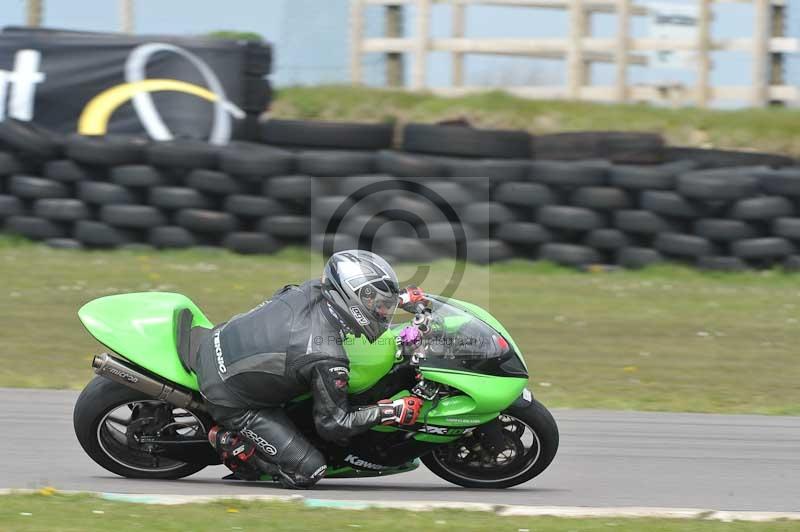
(358, 462)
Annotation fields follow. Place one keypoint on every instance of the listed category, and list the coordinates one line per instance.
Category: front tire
(103, 439)
(458, 461)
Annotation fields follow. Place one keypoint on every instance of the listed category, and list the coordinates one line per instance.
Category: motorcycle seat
(188, 339)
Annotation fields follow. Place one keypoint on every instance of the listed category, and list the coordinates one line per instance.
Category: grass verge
(667, 338)
(772, 129)
(58, 512)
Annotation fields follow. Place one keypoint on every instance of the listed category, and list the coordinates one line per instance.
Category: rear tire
(99, 398)
(539, 420)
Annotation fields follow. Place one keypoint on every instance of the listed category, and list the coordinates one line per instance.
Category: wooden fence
(767, 45)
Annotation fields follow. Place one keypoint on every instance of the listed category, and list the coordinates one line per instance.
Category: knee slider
(308, 471)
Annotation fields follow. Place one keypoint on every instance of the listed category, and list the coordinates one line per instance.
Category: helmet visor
(380, 300)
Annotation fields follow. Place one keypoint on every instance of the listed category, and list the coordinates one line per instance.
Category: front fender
(524, 400)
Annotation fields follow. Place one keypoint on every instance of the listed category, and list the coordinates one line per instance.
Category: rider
(251, 365)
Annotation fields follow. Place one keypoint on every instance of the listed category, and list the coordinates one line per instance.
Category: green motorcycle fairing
(466, 349)
(369, 362)
(142, 327)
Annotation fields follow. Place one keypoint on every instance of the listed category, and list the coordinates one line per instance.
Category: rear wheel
(113, 424)
(531, 441)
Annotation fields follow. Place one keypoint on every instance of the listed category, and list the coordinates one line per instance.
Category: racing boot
(236, 453)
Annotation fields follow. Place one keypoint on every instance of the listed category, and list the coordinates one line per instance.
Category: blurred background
(720, 54)
(617, 181)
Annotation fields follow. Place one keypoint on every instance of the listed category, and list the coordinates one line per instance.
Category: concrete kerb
(502, 510)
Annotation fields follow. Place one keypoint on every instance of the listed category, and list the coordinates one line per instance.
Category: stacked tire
(446, 190)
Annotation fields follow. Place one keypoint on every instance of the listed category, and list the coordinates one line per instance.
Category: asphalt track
(606, 459)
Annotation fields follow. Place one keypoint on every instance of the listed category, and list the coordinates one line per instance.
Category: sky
(311, 37)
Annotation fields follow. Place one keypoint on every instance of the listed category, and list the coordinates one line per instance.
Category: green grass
(58, 512)
(773, 129)
(668, 338)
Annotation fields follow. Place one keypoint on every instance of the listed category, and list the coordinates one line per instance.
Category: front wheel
(113, 423)
(531, 441)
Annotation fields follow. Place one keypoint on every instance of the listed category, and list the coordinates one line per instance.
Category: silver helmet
(363, 290)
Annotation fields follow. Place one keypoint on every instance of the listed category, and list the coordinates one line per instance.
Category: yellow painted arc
(95, 116)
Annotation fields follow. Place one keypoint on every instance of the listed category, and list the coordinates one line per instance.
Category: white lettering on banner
(23, 80)
(4, 75)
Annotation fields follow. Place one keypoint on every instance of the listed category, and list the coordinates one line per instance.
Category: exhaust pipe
(118, 371)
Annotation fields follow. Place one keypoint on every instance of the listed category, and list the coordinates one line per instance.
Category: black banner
(162, 86)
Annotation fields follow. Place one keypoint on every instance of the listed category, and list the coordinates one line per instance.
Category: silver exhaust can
(118, 371)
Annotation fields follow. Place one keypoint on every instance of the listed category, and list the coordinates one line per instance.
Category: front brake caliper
(491, 435)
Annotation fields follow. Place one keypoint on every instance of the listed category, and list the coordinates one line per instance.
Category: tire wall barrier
(439, 191)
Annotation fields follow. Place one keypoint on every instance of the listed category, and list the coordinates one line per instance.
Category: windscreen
(457, 334)
(458, 340)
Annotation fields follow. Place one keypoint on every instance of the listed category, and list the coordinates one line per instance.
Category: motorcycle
(142, 416)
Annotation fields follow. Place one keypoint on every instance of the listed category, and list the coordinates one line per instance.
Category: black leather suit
(256, 362)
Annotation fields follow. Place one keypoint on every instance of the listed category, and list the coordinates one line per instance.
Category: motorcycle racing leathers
(250, 366)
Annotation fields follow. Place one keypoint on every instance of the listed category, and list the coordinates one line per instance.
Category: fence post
(33, 16)
(760, 53)
(458, 33)
(575, 66)
(623, 31)
(703, 53)
(421, 35)
(126, 16)
(356, 38)
(394, 60)
(586, 63)
(777, 29)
